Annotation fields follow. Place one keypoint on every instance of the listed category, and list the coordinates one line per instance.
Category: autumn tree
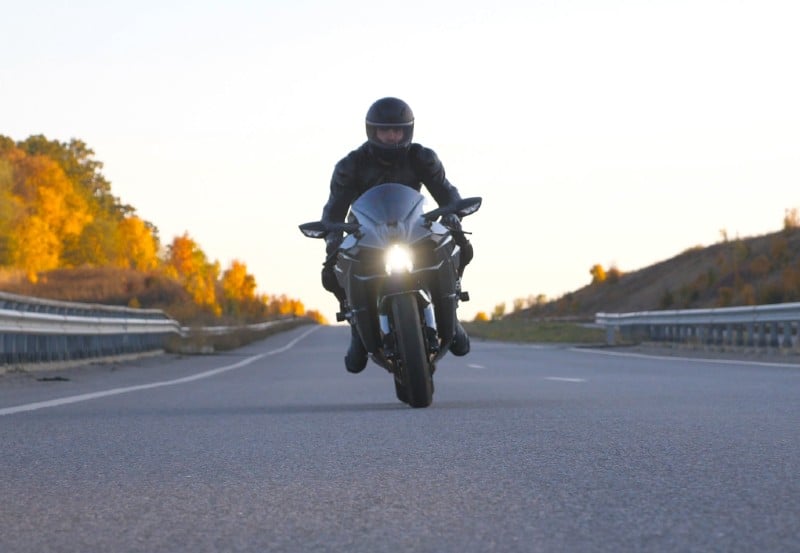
(237, 283)
(34, 247)
(141, 244)
(10, 208)
(79, 222)
(57, 211)
(78, 163)
(187, 262)
(238, 289)
(598, 274)
(499, 311)
(46, 210)
(316, 316)
(791, 219)
(480, 317)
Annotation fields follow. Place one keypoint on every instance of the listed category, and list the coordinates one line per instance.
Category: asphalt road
(275, 447)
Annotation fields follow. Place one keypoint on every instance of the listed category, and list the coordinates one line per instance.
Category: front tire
(413, 354)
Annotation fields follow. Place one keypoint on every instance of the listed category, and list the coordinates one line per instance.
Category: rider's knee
(330, 283)
(466, 254)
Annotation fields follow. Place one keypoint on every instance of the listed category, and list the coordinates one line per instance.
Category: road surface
(274, 447)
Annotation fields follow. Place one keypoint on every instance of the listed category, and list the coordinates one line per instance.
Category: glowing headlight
(398, 260)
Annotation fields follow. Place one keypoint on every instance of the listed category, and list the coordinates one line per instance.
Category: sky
(618, 132)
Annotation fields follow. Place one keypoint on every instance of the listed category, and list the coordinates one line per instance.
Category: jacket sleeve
(343, 191)
(431, 171)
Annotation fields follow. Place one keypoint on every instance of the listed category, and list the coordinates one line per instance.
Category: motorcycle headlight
(398, 260)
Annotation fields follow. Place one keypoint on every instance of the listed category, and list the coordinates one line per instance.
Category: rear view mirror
(317, 229)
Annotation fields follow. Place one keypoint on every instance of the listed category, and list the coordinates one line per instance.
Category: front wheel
(415, 367)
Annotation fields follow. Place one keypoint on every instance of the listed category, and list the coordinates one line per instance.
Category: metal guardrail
(776, 326)
(35, 330)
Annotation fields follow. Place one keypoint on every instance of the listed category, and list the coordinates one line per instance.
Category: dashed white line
(184, 380)
(564, 379)
(474, 366)
(690, 359)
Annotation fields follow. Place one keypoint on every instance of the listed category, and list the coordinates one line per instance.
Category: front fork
(428, 328)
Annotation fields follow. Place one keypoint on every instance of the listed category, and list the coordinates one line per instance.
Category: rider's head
(390, 128)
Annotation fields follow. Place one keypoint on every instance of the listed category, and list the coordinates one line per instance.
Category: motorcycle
(399, 268)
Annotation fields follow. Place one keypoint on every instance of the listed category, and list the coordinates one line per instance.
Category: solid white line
(692, 359)
(563, 379)
(184, 380)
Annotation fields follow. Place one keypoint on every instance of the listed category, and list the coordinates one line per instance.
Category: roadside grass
(199, 342)
(505, 330)
(516, 330)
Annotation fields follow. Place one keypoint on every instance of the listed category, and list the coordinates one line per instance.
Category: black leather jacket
(360, 170)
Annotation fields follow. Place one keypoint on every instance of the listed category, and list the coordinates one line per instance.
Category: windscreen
(389, 213)
(388, 203)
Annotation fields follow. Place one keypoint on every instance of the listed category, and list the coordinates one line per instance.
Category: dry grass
(747, 271)
(521, 330)
(198, 342)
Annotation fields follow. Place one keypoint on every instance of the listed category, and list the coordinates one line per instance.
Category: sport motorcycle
(399, 267)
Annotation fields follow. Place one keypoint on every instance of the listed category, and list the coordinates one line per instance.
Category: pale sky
(612, 132)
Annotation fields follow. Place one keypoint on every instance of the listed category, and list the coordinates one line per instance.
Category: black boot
(356, 358)
(460, 344)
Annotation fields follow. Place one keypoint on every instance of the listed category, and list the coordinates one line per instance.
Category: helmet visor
(390, 136)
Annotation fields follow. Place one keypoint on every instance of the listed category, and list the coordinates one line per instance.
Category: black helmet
(390, 113)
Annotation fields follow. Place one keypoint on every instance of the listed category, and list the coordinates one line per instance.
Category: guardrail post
(609, 334)
(751, 340)
(787, 334)
(759, 326)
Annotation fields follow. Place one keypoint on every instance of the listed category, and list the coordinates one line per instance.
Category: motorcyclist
(388, 155)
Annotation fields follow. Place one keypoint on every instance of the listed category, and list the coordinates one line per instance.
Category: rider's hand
(332, 243)
(451, 221)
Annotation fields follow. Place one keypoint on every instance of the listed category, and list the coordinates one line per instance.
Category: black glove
(451, 221)
(332, 242)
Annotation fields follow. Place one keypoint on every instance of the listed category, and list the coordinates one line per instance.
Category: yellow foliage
(140, 246)
(481, 317)
(199, 277)
(34, 247)
(57, 211)
(499, 311)
(52, 196)
(183, 255)
(316, 316)
(598, 273)
(237, 284)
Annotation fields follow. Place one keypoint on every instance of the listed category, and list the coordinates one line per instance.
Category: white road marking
(563, 379)
(184, 380)
(691, 359)
(474, 366)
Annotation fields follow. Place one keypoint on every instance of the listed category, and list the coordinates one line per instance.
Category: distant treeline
(57, 212)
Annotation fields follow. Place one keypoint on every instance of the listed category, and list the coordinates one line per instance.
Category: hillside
(65, 236)
(744, 271)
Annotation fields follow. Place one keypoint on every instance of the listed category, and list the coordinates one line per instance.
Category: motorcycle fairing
(390, 214)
